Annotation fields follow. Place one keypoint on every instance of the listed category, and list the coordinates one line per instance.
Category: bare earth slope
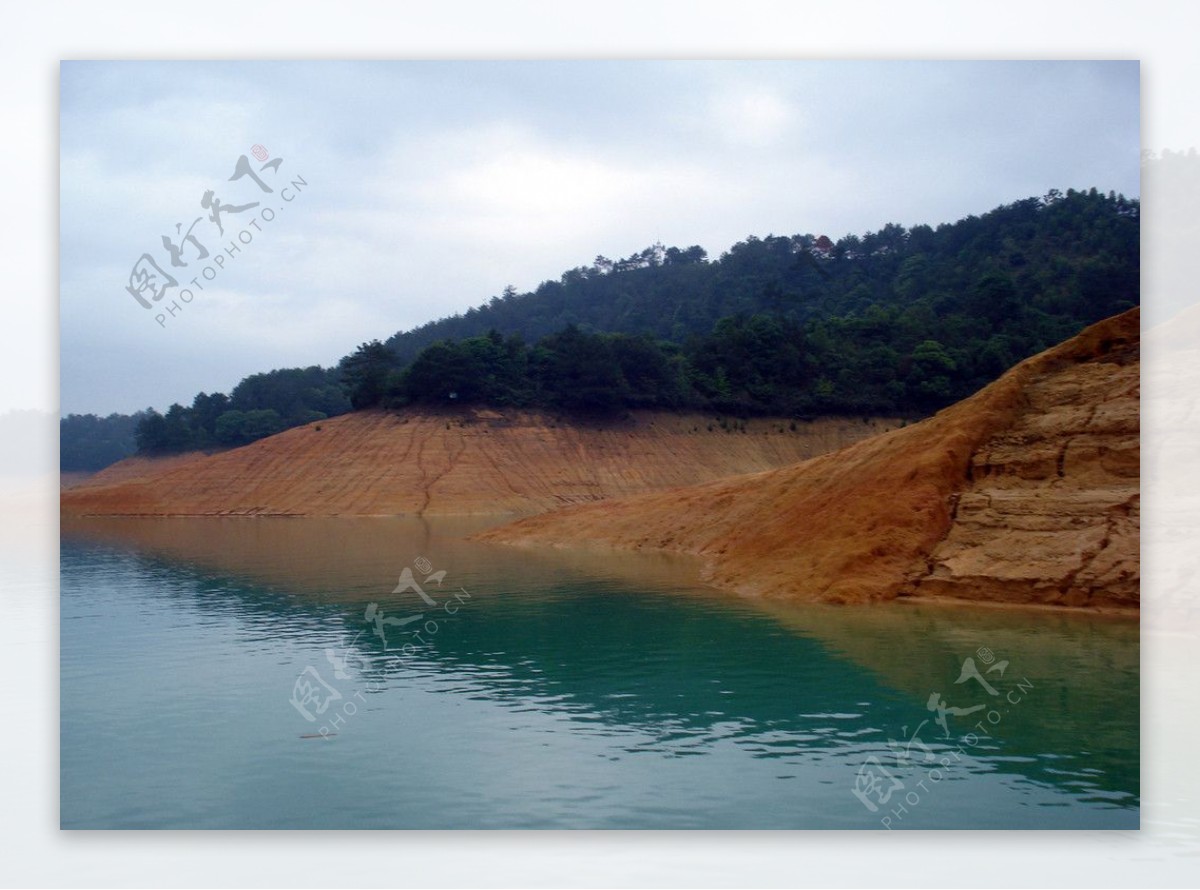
(1027, 492)
(469, 461)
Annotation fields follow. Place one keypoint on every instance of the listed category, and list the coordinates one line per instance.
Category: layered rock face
(376, 463)
(1051, 509)
(1027, 492)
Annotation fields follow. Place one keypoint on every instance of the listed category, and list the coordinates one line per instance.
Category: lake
(389, 673)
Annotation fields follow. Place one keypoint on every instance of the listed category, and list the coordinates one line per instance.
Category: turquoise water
(553, 690)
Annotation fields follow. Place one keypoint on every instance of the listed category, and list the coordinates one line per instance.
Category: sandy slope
(1027, 492)
(461, 462)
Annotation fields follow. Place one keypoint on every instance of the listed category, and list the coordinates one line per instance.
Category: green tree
(578, 373)
(994, 297)
(443, 373)
(151, 436)
(242, 427)
(88, 443)
(365, 374)
(929, 378)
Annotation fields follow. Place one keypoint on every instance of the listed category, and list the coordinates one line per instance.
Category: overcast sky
(433, 185)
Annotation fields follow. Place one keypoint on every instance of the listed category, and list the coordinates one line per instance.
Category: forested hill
(1064, 261)
(897, 321)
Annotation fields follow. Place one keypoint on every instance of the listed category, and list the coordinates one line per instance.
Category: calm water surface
(565, 691)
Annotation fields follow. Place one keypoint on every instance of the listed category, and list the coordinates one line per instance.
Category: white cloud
(751, 117)
(433, 187)
(510, 187)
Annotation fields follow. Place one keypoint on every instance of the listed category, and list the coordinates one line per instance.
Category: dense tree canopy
(899, 321)
(87, 443)
(261, 405)
(1064, 260)
(364, 374)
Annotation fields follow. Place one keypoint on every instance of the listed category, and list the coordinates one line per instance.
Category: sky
(402, 192)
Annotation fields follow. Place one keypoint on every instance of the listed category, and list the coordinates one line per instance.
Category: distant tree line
(87, 443)
(261, 405)
(899, 321)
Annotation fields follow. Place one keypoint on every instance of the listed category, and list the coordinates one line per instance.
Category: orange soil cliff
(374, 463)
(1027, 492)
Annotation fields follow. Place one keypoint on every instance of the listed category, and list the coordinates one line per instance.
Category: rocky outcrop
(1051, 509)
(1027, 492)
(376, 463)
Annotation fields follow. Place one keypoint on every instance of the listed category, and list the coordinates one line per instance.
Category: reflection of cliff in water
(1085, 671)
(613, 642)
(350, 558)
